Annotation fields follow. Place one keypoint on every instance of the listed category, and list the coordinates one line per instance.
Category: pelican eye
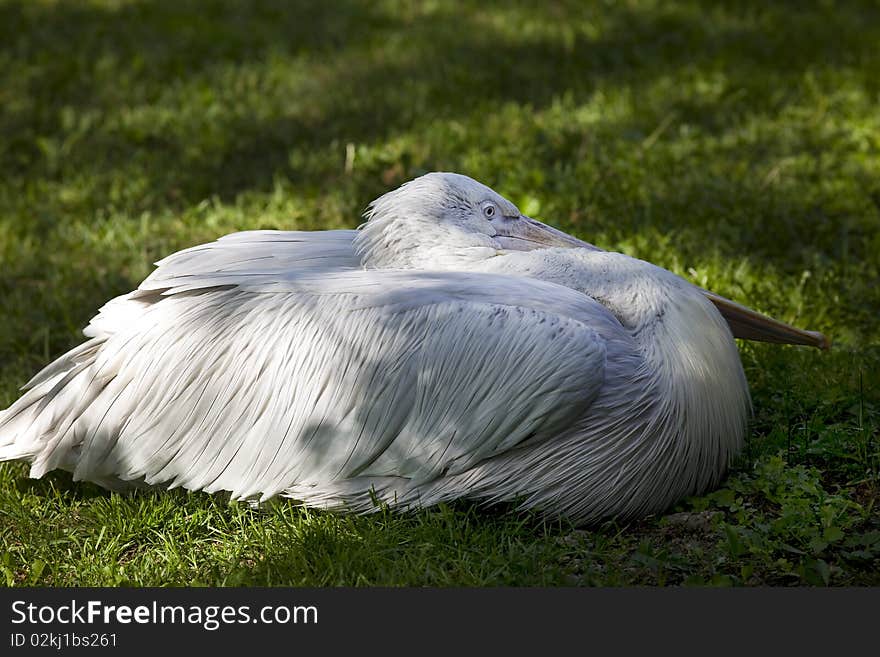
(489, 210)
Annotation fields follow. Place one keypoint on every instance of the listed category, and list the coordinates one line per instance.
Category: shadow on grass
(61, 483)
(362, 72)
(440, 545)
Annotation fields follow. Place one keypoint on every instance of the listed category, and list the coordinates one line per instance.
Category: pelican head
(449, 221)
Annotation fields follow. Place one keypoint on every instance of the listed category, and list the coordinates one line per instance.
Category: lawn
(735, 143)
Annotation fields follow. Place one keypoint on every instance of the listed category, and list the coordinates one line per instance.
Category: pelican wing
(260, 385)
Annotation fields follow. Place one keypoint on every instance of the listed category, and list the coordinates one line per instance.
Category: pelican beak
(749, 324)
(526, 234)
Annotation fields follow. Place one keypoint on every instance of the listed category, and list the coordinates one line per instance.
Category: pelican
(450, 348)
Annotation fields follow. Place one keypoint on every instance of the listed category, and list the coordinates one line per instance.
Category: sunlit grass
(737, 144)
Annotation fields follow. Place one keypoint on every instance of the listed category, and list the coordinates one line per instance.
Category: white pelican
(451, 348)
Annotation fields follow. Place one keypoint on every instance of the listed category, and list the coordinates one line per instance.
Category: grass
(736, 143)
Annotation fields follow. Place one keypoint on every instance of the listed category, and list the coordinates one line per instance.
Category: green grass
(736, 143)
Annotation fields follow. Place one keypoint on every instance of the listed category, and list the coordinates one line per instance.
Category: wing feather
(306, 381)
(258, 257)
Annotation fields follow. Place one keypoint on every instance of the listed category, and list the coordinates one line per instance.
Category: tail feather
(79, 354)
(37, 427)
(44, 426)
